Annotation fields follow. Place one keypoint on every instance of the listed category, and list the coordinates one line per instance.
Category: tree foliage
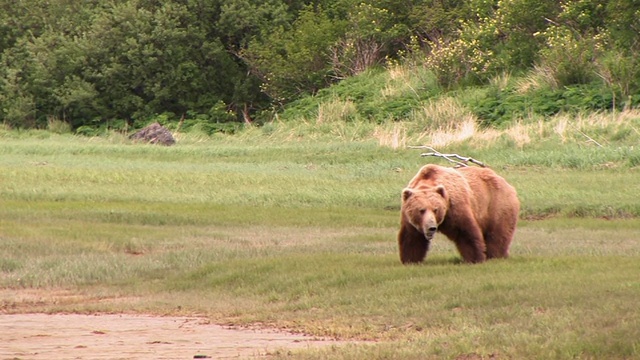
(96, 63)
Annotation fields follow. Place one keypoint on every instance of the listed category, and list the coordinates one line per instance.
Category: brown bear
(474, 207)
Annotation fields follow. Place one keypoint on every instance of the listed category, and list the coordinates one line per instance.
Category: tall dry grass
(448, 124)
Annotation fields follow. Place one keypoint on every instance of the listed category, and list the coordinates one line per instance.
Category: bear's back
(492, 194)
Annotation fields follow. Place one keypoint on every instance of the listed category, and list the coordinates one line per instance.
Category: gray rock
(154, 134)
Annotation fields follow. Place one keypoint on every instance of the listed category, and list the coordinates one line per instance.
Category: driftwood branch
(462, 161)
(590, 139)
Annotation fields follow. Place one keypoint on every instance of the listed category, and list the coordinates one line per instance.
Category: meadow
(285, 227)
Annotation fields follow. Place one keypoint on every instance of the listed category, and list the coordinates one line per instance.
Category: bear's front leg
(413, 245)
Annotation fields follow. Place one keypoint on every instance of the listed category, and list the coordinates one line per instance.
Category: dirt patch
(120, 336)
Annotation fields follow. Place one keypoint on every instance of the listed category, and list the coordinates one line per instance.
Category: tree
(294, 61)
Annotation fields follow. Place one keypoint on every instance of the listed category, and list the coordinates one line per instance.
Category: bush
(620, 71)
(570, 57)
(498, 107)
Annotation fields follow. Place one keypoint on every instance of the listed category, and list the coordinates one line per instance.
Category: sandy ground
(74, 336)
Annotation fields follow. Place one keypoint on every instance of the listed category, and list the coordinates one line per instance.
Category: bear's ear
(406, 193)
(440, 190)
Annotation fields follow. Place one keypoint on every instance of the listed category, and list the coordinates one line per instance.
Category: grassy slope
(300, 234)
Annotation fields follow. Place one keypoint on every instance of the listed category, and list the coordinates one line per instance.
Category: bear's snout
(430, 232)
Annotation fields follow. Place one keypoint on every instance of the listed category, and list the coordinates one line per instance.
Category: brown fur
(474, 207)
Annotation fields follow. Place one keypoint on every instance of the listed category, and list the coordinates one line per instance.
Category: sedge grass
(301, 235)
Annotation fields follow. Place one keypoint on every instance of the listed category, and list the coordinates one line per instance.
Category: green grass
(301, 235)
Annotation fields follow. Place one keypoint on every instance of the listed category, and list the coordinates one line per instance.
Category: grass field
(300, 234)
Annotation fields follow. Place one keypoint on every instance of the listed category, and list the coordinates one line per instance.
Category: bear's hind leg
(470, 252)
(470, 244)
(498, 242)
(467, 235)
(494, 251)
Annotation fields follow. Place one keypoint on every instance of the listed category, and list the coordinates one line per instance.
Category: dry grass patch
(336, 111)
(596, 129)
(542, 77)
(520, 134)
(442, 112)
(452, 134)
(392, 135)
(400, 82)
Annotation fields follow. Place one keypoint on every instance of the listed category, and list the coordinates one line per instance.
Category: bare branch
(463, 160)
(590, 139)
(551, 21)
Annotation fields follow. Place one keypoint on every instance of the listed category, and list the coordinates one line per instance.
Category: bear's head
(425, 208)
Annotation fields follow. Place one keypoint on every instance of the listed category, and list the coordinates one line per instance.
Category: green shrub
(570, 57)
(620, 71)
(87, 130)
(498, 107)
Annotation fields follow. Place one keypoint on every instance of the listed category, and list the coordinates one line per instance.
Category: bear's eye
(422, 211)
(436, 210)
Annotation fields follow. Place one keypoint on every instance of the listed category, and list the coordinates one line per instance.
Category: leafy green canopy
(96, 64)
